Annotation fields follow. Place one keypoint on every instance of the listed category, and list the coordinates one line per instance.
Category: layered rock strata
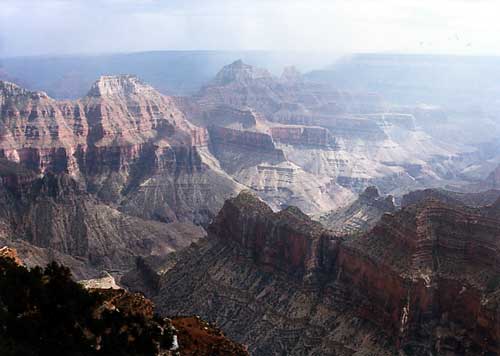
(52, 217)
(423, 280)
(361, 215)
(348, 137)
(303, 136)
(124, 142)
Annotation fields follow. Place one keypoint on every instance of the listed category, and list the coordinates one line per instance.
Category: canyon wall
(423, 280)
(117, 142)
(307, 136)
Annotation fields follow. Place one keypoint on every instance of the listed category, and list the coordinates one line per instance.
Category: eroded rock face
(124, 142)
(52, 217)
(253, 159)
(361, 215)
(7, 252)
(44, 311)
(254, 140)
(288, 99)
(303, 136)
(237, 149)
(293, 246)
(423, 280)
(479, 199)
(292, 141)
(348, 137)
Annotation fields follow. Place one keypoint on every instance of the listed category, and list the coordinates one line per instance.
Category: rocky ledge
(303, 136)
(361, 215)
(423, 280)
(45, 312)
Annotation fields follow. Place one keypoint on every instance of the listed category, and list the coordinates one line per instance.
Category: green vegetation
(44, 312)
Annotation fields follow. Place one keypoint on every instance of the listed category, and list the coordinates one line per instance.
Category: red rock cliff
(427, 275)
(287, 241)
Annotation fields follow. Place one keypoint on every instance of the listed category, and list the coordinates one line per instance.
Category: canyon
(141, 158)
(424, 280)
(44, 312)
(293, 141)
(361, 215)
(299, 217)
(355, 139)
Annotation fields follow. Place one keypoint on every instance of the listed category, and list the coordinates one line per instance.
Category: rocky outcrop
(45, 311)
(253, 140)
(236, 149)
(59, 220)
(10, 253)
(361, 215)
(230, 117)
(479, 199)
(293, 246)
(303, 136)
(115, 141)
(105, 281)
(286, 99)
(423, 280)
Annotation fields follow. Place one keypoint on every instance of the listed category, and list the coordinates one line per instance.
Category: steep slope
(479, 199)
(424, 280)
(288, 99)
(350, 137)
(361, 215)
(45, 312)
(124, 141)
(51, 217)
(253, 159)
(136, 149)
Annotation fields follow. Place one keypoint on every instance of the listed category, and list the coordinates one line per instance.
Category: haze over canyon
(320, 178)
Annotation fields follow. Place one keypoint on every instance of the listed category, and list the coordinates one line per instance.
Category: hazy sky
(95, 26)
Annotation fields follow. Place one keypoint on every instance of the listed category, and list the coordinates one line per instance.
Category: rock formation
(96, 182)
(288, 99)
(6, 252)
(61, 221)
(123, 172)
(124, 141)
(348, 137)
(479, 199)
(45, 312)
(253, 159)
(138, 150)
(303, 136)
(361, 215)
(423, 280)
